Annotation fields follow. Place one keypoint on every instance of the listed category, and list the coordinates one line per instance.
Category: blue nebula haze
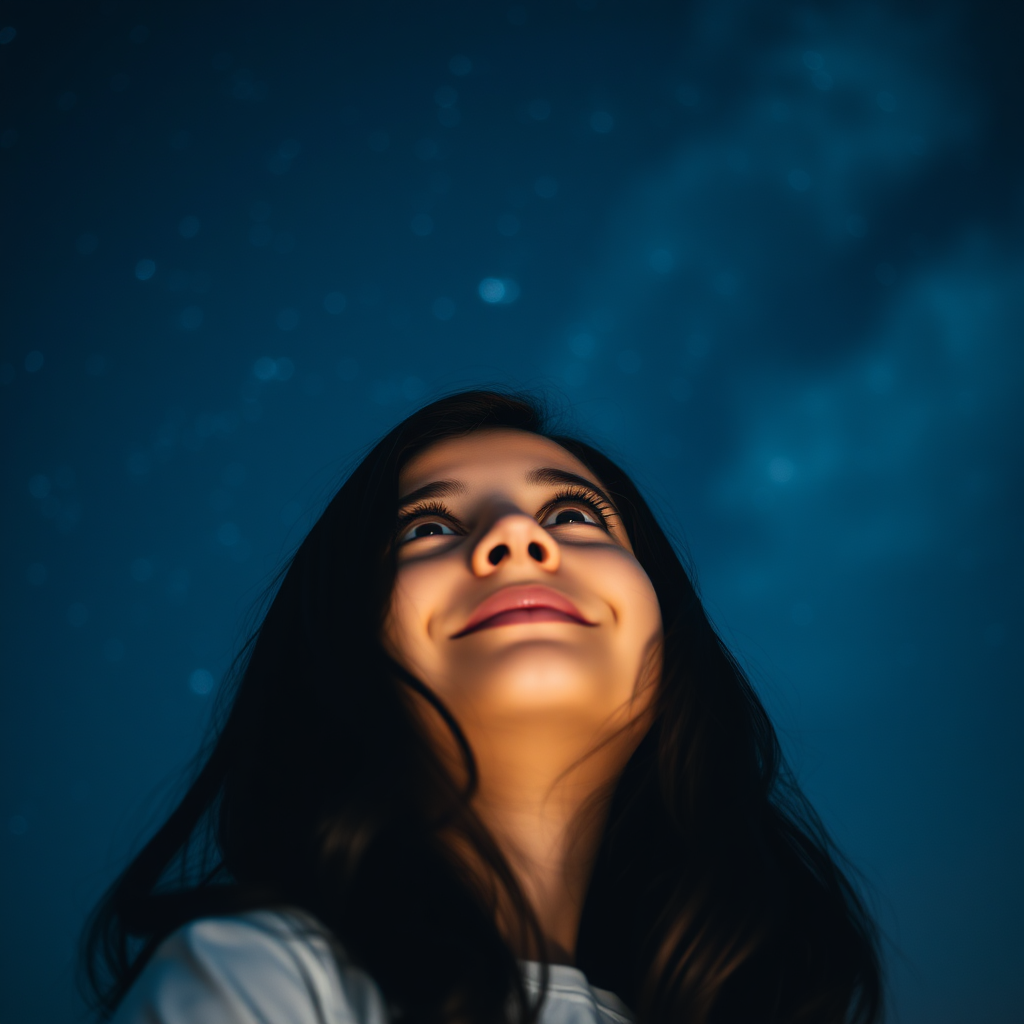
(769, 255)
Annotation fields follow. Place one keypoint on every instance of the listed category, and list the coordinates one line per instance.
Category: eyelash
(573, 494)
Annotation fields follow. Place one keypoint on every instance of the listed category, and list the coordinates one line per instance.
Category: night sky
(769, 255)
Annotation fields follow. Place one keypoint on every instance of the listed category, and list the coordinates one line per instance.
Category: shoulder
(571, 999)
(248, 969)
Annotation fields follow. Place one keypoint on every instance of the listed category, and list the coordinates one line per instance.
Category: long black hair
(716, 897)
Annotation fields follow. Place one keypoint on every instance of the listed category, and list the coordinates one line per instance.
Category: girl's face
(518, 598)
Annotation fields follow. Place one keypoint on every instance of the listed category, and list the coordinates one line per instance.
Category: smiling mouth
(515, 616)
(519, 604)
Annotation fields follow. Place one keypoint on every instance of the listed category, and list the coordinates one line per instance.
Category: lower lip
(521, 615)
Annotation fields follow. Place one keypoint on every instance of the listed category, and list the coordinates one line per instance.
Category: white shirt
(265, 967)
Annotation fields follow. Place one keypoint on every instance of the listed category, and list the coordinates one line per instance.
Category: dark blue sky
(769, 254)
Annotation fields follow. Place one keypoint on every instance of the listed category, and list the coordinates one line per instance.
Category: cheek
(642, 634)
(647, 599)
(635, 604)
(409, 614)
(629, 592)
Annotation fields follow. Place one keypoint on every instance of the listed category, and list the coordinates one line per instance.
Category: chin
(541, 674)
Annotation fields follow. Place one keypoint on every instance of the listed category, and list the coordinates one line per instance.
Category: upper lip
(527, 595)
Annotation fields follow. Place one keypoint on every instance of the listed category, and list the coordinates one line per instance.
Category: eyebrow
(435, 489)
(545, 475)
(549, 475)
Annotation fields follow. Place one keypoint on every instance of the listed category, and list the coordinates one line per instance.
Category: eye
(430, 528)
(564, 516)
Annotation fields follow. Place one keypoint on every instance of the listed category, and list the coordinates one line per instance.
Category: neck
(544, 793)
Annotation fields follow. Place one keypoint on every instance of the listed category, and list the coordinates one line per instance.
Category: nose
(515, 538)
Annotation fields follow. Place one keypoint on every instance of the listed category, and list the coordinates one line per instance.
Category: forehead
(493, 455)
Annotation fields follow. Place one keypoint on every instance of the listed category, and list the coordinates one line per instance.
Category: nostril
(536, 551)
(497, 554)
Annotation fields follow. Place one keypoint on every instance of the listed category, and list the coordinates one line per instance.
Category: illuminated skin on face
(503, 523)
(553, 707)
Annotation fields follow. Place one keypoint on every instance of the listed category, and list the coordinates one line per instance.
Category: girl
(486, 760)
